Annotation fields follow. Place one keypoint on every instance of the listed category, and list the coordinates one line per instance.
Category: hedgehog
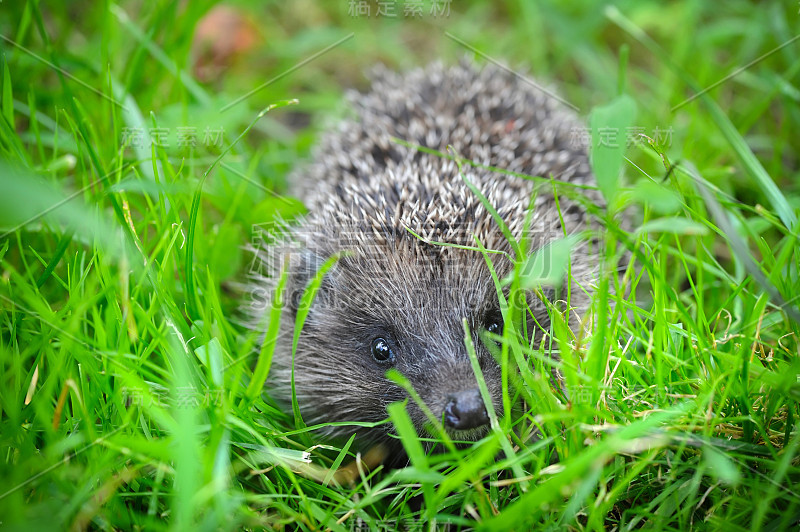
(391, 239)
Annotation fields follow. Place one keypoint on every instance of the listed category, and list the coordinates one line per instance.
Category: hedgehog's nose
(465, 410)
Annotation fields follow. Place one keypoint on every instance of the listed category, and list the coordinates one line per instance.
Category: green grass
(129, 396)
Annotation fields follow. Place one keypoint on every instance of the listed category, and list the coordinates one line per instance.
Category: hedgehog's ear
(303, 267)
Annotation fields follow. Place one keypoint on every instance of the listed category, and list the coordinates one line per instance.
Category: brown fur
(364, 190)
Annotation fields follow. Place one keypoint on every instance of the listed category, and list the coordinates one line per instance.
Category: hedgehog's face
(402, 306)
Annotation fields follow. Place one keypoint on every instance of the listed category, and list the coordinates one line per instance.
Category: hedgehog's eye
(381, 351)
(494, 325)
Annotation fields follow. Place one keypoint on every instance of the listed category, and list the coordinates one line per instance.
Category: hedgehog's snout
(465, 410)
